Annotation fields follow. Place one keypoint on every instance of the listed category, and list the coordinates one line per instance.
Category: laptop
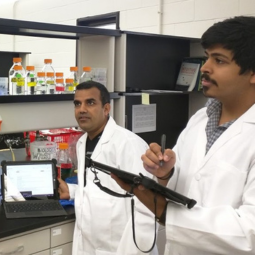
(30, 189)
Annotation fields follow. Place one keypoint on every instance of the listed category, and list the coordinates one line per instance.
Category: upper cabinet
(94, 47)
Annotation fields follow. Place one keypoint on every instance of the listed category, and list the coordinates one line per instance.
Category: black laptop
(30, 189)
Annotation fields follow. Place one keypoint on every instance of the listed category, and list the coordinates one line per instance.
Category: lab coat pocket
(229, 180)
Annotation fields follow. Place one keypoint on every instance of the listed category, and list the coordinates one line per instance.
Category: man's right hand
(63, 190)
(151, 160)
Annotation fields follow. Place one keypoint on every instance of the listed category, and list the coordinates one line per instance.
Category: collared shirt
(213, 130)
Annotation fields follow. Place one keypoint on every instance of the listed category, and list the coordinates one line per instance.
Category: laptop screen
(28, 180)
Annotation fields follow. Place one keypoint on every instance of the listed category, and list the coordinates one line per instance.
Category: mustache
(207, 78)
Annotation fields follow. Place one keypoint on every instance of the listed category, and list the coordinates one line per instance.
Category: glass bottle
(16, 62)
(48, 68)
(50, 83)
(60, 87)
(64, 163)
(30, 80)
(69, 87)
(18, 81)
(87, 74)
(40, 87)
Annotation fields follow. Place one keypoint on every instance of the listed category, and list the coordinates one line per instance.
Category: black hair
(104, 94)
(237, 35)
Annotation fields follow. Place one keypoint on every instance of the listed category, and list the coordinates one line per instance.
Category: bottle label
(50, 82)
(20, 81)
(58, 88)
(70, 88)
(31, 84)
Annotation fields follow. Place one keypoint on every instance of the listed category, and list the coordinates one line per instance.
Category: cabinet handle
(18, 250)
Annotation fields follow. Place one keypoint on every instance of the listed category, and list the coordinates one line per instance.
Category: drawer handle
(18, 250)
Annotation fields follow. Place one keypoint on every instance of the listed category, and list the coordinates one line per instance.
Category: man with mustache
(213, 160)
(103, 222)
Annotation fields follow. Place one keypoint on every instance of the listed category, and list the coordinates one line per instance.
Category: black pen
(163, 147)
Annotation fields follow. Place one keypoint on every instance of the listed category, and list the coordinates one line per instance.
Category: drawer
(65, 249)
(62, 234)
(47, 252)
(26, 244)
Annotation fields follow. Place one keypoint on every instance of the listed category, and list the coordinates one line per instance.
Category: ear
(107, 108)
(252, 79)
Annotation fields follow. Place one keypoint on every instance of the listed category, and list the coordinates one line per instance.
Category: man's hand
(151, 160)
(146, 196)
(63, 189)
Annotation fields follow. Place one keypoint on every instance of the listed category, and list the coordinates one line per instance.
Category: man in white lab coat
(213, 161)
(103, 222)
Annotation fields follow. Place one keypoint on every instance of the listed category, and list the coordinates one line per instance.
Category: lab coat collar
(235, 129)
(105, 138)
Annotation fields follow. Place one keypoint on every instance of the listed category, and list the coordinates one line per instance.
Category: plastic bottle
(30, 82)
(48, 68)
(64, 163)
(40, 87)
(60, 87)
(50, 83)
(18, 81)
(87, 74)
(74, 75)
(16, 62)
(69, 87)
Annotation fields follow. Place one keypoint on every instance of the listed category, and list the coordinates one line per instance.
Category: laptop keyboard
(33, 207)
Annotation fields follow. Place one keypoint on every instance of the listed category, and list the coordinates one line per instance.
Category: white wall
(178, 17)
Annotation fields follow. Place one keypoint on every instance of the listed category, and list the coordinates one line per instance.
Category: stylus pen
(163, 147)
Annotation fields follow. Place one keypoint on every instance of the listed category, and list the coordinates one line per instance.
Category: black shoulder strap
(111, 192)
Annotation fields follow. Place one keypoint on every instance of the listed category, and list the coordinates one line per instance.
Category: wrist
(167, 176)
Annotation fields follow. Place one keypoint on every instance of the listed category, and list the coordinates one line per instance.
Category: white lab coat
(223, 184)
(103, 222)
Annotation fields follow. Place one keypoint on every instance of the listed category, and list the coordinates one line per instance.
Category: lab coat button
(197, 177)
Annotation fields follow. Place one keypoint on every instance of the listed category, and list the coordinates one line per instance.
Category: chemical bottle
(30, 81)
(87, 74)
(59, 75)
(60, 87)
(69, 87)
(18, 81)
(48, 68)
(74, 75)
(64, 163)
(16, 62)
(40, 87)
(50, 83)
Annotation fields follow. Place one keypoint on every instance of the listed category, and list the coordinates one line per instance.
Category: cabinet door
(65, 249)
(26, 244)
(62, 234)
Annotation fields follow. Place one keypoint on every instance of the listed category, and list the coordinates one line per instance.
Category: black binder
(143, 180)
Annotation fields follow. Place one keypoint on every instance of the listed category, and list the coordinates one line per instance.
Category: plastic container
(16, 62)
(87, 74)
(74, 75)
(50, 83)
(30, 81)
(18, 81)
(41, 87)
(69, 87)
(43, 150)
(64, 163)
(60, 87)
